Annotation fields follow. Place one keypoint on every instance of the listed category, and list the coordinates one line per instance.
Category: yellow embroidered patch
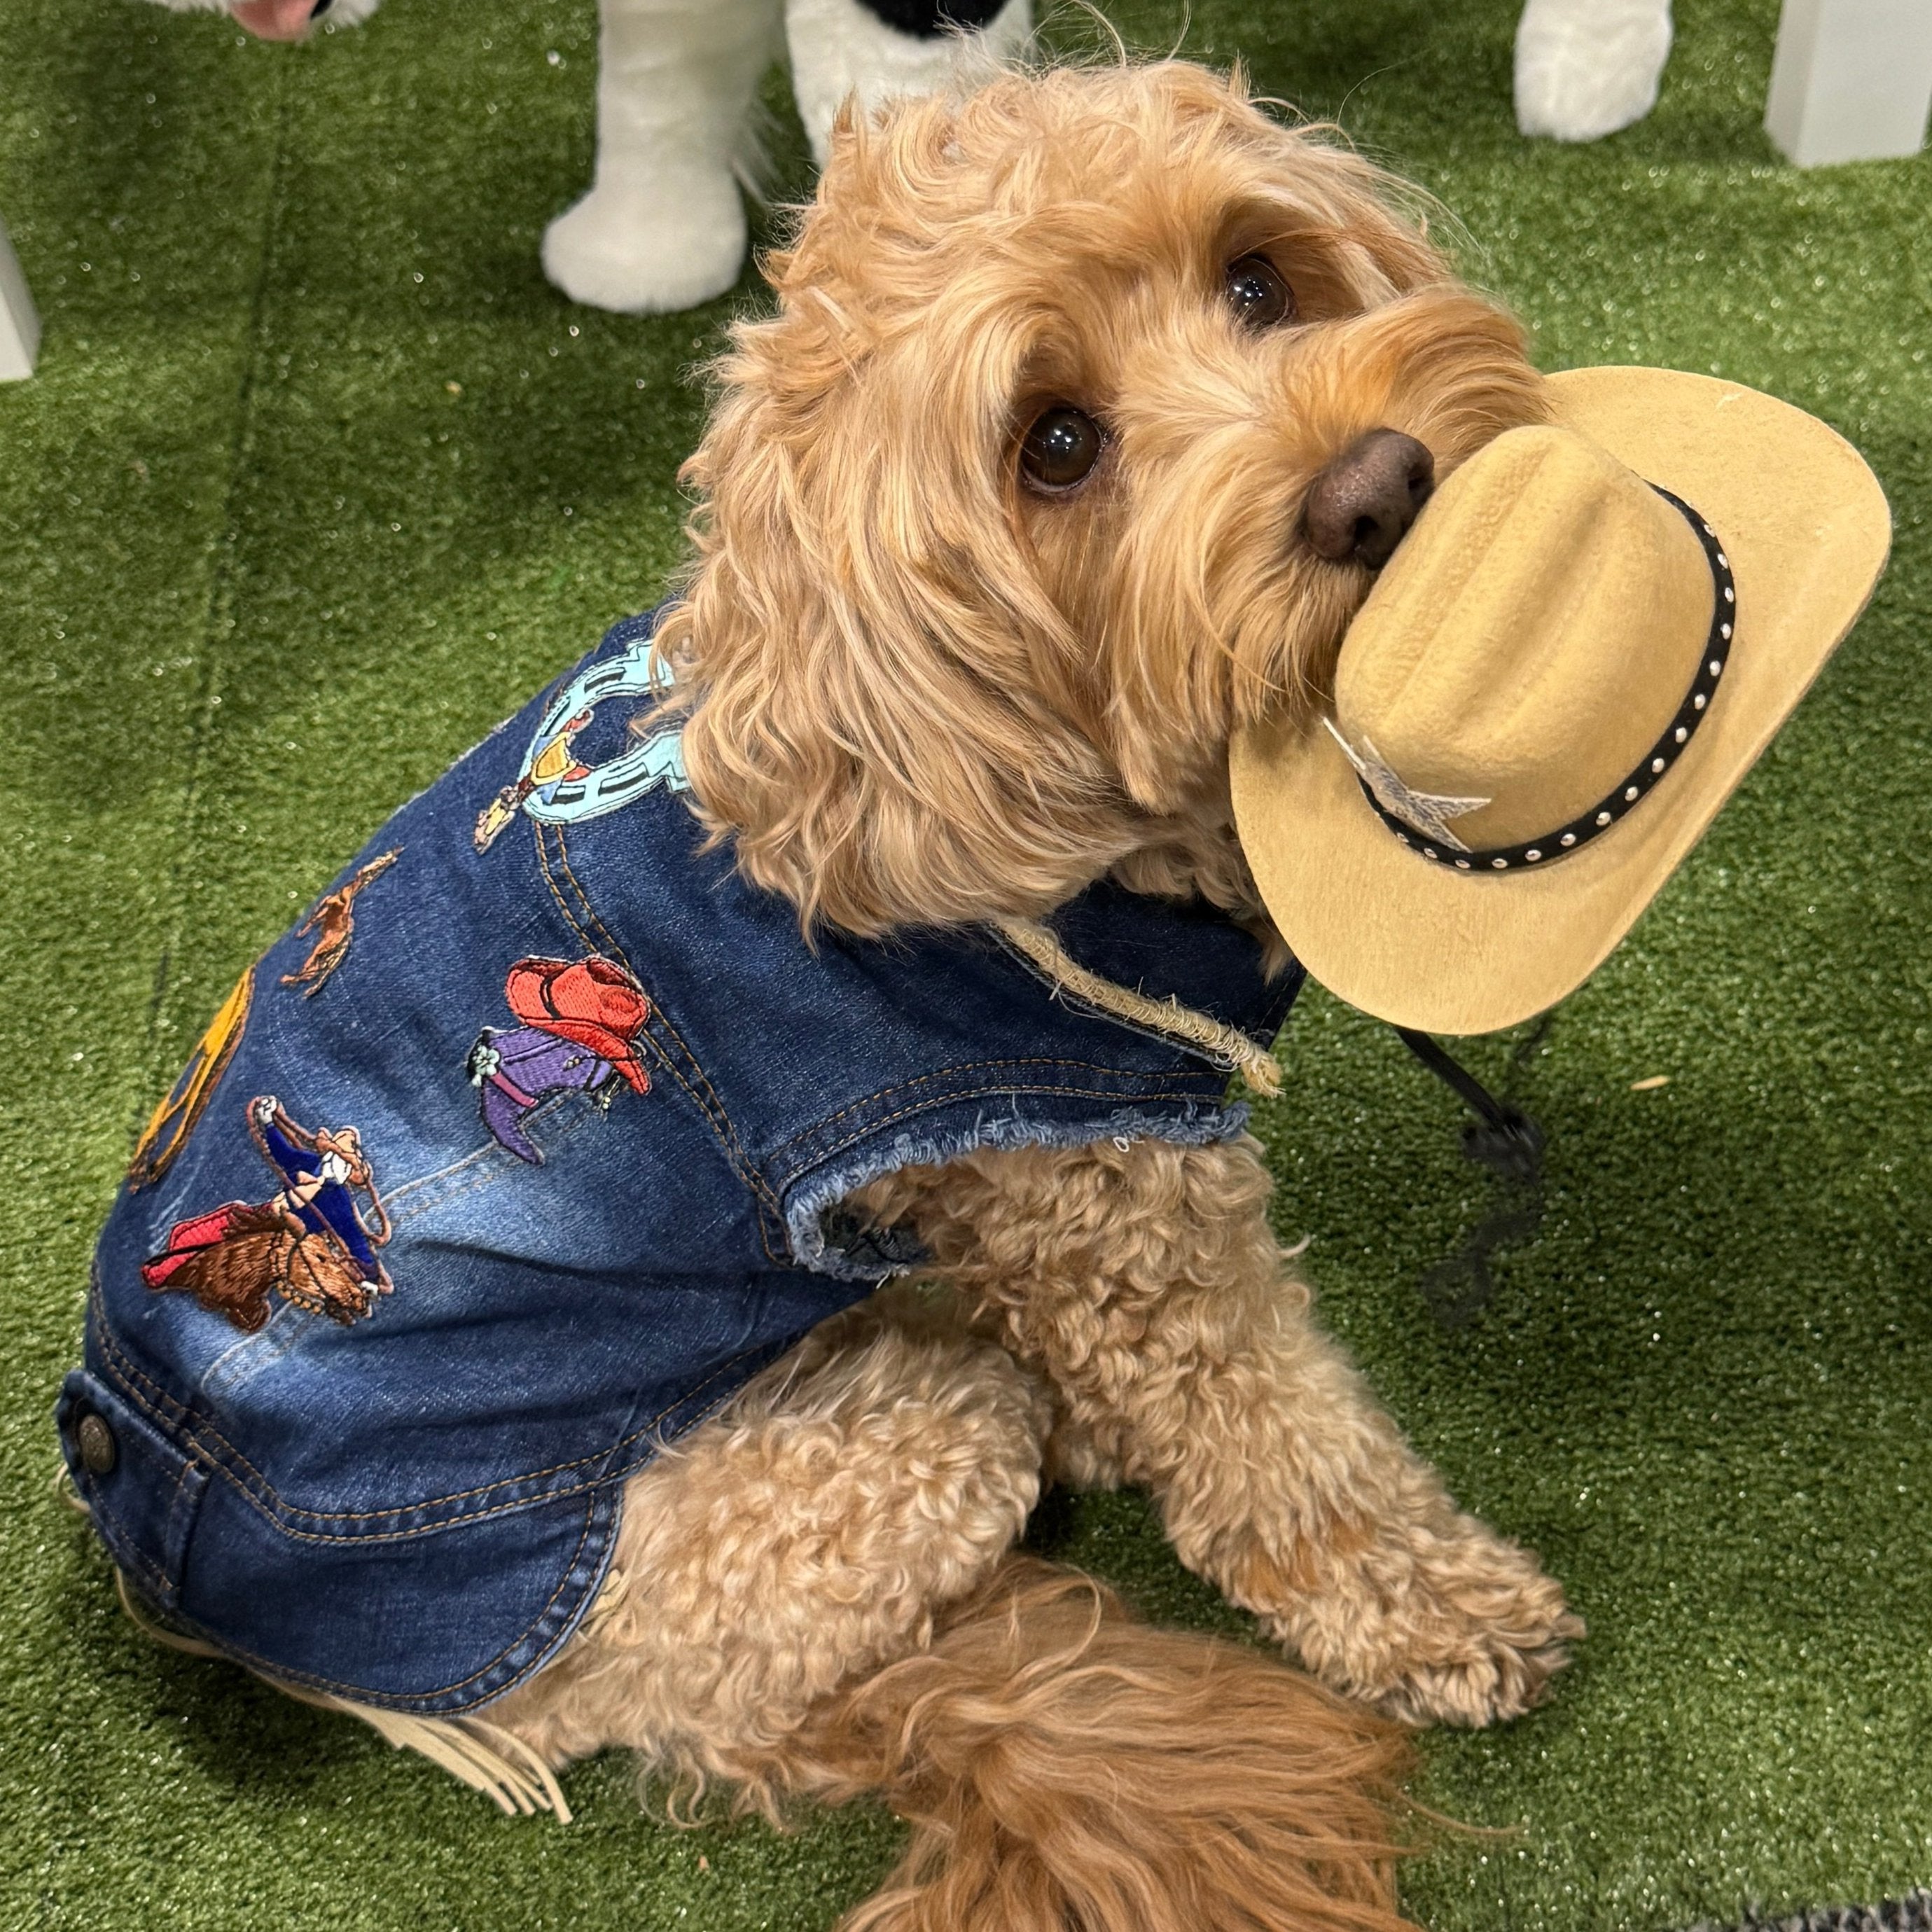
(173, 1120)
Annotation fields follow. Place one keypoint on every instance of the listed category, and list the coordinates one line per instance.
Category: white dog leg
(663, 227)
(1584, 68)
(877, 49)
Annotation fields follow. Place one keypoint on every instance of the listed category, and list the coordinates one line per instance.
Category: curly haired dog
(1089, 404)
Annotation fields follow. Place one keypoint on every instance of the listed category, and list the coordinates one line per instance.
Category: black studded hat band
(1631, 790)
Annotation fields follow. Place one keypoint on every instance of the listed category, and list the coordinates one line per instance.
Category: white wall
(1851, 79)
(19, 325)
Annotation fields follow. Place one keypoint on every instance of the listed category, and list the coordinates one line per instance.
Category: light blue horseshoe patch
(556, 787)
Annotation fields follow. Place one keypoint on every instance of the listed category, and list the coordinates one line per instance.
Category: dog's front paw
(1453, 1625)
(1482, 1652)
(652, 248)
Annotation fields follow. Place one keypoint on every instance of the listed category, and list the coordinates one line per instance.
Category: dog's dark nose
(1361, 504)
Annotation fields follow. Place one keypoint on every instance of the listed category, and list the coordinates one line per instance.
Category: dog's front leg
(873, 50)
(1144, 1280)
(663, 226)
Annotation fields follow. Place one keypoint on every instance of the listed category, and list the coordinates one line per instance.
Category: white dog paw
(1584, 68)
(650, 250)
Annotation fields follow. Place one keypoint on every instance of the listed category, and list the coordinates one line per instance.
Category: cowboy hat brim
(1806, 529)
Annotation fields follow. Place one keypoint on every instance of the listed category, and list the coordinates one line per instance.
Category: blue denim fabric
(408, 1496)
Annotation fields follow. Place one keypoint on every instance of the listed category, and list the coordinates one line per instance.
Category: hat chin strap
(1503, 1138)
(1423, 829)
(1508, 1140)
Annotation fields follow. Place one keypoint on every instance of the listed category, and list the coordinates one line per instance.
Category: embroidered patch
(580, 1020)
(314, 1241)
(173, 1120)
(555, 786)
(333, 922)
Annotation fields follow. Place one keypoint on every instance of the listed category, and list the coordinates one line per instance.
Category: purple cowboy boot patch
(581, 1019)
(515, 1071)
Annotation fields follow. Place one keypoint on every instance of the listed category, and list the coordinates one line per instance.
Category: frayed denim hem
(855, 1253)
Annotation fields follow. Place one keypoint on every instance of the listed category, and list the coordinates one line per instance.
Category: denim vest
(514, 1161)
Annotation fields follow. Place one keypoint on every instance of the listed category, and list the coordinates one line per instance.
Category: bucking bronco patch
(314, 1241)
(333, 922)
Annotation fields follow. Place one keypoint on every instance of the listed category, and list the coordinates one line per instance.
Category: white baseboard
(1852, 80)
(19, 323)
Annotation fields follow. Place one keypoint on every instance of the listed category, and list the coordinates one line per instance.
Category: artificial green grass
(318, 479)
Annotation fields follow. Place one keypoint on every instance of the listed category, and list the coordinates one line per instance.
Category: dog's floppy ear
(881, 697)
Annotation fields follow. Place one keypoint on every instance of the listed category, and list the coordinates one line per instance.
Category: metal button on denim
(95, 1440)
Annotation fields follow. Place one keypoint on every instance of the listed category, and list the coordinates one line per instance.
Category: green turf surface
(318, 479)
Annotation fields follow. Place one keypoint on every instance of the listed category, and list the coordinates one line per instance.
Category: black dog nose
(1361, 504)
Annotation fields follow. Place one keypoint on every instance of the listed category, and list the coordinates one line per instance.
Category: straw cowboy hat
(1591, 632)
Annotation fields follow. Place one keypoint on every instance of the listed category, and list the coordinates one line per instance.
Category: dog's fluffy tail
(1066, 1768)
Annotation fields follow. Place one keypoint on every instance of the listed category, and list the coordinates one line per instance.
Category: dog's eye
(1062, 446)
(1261, 297)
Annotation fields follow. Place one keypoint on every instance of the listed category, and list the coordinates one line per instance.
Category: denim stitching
(709, 1103)
(712, 1107)
(167, 1584)
(755, 1184)
(164, 1588)
(174, 1509)
(97, 1316)
(569, 918)
(583, 899)
(205, 1428)
(394, 1701)
(196, 1429)
(750, 1177)
(747, 1168)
